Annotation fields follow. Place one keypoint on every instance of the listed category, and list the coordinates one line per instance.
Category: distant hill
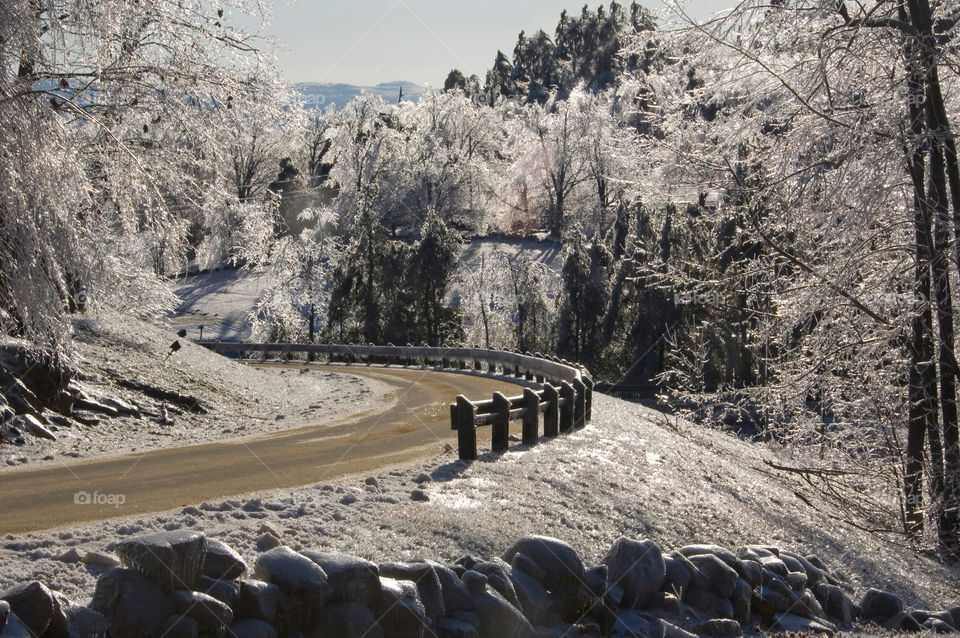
(317, 95)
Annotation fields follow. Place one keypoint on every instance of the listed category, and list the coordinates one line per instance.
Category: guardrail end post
(465, 424)
(531, 419)
(580, 404)
(551, 416)
(568, 398)
(501, 425)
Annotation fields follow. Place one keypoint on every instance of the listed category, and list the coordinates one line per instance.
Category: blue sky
(372, 41)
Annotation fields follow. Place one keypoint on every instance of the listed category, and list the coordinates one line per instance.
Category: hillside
(319, 95)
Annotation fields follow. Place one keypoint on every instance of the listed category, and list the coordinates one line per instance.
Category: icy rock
(172, 560)
(938, 626)
(258, 600)
(352, 579)
(497, 617)
(697, 578)
(533, 598)
(815, 575)
(527, 564)
(348, 620)
(768, 602)
(268, 541)
(902, 621)
(498, 577)
(798, 625)
(422, 478)
(667, 603)
(211, 614)
(134, 605)
(564, 571)
(835, 603)
(226, 591)
(428, 585)
(676, 577)
(880, 606)
(70, 556)
(455, 628)
(222, 562)
(638, 567)
(455, 594)
(100, 559)
(303, 583)
(709, 603)
(419, 496)
(722, 577)
(724, 554)
(741, 598)
(797, 581)
(251, 628)
(923, 616)
(722, 628)
(14, 628)
(71, 620)
(752, 572)
(399, 609)
(33, 604)
(4, 612)
(631, 624)
(181, 627)
(808, 606)
(268, 528)
(29, 423)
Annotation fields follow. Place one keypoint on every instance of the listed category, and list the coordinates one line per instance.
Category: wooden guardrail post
(464, 423)
(580, 404)
(501, 424)
(587, 381)
(569, 396)
(551, 416)
(531, 419)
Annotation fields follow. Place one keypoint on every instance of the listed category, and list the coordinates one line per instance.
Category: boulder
(938, 626)
(632, 624)
(497, 617)
(564, 572)
(774, 565)
(741, 601)
(455, 594)
(455, 628)
(902, 621)
(722, 577)
(880, 606)
(807, 605)
(135, 606)
(722, 628)
(729, 558)
(428, 585)
(676, 578)
(923, 616)
(835, 603)
(4, 612)
(303, 583)
(794, 624)
(796, 563)
(955, 614)
(181, 627)
(797, 581)
(498, 577)
(221, 562)
(78, 621)
(709, 604)
(534, 601)
(667, 603)
(211, 615)
(347, 620)
(399, 609)
(171, 560)
(352, 579)
(33, 604)
(528, 565)
(14, 628)
(752, 572)
(639, 569)
(253, 628)
(226, 591)
(258, 600)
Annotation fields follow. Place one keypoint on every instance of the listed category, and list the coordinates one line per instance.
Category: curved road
(416, 425)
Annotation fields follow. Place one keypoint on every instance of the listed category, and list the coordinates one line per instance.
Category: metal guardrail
(566, 400)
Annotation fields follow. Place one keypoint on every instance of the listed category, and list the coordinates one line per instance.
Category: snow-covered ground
(632, 472)
(241, 401)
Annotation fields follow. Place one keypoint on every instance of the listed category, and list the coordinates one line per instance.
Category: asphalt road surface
(416, 425)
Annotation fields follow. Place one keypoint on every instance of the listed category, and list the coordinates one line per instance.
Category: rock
(797, 625)
(352, 579)
(564, 572)
(709, 603)
(741, 601)
(454, 628)
(676, 578)
(497, 617)
(76, 621)
(752, 572)
(528, 565)
(722, 628)
(724, 554)
(348, 620)
(303, 583)
(902, 621)
(768, 601)
(475, 582)
(775, 565)
(399, 609)
(427, 582)
(258, 600)
(133, 604)
(171, 560)
(955, 614)
(880, 606)
(419, 496)
(226, 591)
(267, 541)
(70, 556)
(33, 604)
(631, 624)
(14, 628)
(938, 626)
(922, 616)
(211, 614)
(638, 568)
(835, 603)
(665, 602)
(100, 559)
(498, 577)
(808, 606)
(797, 581)
(722, 577)
(181, 627)
(252, 628)
(4, 612)
(534, 601)
(29, 423)
(222, 562)
(455, 594)
(796, 563)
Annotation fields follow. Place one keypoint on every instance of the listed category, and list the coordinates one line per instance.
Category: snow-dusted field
(631, 472)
